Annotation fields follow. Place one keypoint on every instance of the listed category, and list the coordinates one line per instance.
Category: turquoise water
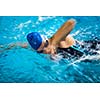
(23, 65)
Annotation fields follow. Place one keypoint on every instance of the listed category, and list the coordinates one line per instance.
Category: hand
(23, 45)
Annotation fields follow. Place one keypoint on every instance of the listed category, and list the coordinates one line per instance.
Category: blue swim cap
(34, 39)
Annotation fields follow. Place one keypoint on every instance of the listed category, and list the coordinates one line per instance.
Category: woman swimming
(61, 41)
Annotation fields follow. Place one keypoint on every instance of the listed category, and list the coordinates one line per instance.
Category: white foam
(76, 33)
(40, 18)
(88, 57)
(98, 52)
(56, 57)
(28, 22)
(21, 25)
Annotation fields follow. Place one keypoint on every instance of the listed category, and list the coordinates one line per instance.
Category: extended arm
(12, 45)
(59, 36)
(62, 32)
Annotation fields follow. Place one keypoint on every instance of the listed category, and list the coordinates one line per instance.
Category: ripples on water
(23, 65)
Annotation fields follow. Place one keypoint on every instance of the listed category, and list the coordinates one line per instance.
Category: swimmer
(61, 39)
(59, 42)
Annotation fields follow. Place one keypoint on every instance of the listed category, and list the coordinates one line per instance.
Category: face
(43, 46)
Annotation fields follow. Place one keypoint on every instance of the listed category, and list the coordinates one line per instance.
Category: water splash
(22, 25)
(85, 58)
(76, 33)
(40, 18)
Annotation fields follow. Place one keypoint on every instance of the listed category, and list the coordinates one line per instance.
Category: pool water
(21, 65)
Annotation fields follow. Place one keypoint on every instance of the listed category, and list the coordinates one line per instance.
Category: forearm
(62, 32)
(22, 44)
(7, 46)
(13, 45)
